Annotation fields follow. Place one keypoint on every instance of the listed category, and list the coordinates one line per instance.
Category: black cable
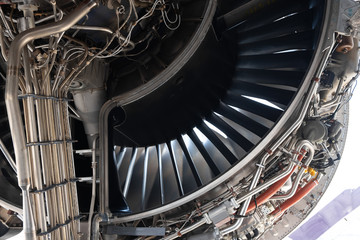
(256, 233)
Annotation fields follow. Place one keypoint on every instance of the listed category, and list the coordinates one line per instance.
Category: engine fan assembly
(171, 119)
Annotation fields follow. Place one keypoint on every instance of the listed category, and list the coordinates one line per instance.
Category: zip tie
(67, 222)
(48, 188)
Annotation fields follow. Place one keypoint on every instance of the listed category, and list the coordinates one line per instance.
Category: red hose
(264, 197)
(269, 192)
(301, 193)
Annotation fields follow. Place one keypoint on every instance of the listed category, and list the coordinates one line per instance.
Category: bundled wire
(322, 161)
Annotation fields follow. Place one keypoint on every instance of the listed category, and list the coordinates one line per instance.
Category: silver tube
(11, 207)
(8, 156)
(93, 192)
(34, 155)
(239, 221)
(247, 197)
(28, 218)
(253, 189)
(47, 18)
(2, 44)
(274, 179)
(12, 103)
(75, 112)
(311, 151)
(92, 28)
(95, 230)
(186, 230)
(3, 18)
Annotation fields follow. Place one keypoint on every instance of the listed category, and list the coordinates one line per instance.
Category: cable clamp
(260, 166)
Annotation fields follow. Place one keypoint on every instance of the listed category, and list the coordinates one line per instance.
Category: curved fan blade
(213, 111)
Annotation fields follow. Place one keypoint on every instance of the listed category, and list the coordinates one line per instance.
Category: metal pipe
(2, 44)
(253, 189)
(75, 112)
(34, 155)
(311, 152)
(11, 207)
(3, 18)
(12, 103)
(185, 230)
(300, 194)
(93, 192)
(96, 226)
(276, 178)
(8, 156)
(28, 217)
(70, 170)
(60, 14)
(92, 28)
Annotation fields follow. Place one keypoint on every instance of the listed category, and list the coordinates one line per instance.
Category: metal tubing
(13, 107)
(6, 24)
(2, 44)
(93, 192)
(274, 179)
(34, 155)
(92, 28)
(300, 194)
(28, 218)
(11, 93)
(96, 227)
(185, 230)
(253, 189)
(8, 156)
(311, 151)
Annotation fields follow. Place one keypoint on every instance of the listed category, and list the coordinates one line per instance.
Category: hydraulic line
(13, 107)
(253, 189)
(275, 187)
(301, 193)
(269, 192)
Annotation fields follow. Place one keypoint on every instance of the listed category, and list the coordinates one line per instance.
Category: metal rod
(34, 154)
(8, 156)
(310, 157)
(186, 230)
(93, 189)
(2, 44)
(6, 24)
(13, 107)
(253, 189)
(92, 28)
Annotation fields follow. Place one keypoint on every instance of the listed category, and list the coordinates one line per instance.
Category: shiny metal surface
(8, 156)
(17, 130)
(43, 143)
